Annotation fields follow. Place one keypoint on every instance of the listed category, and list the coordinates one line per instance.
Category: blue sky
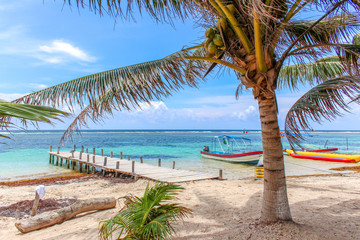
(43, 43)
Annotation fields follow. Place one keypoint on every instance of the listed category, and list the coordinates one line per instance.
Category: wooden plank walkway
(90, 163)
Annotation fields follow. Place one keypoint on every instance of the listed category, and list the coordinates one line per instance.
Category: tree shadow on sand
(321, 218)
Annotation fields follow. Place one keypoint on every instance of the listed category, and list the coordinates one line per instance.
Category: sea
(26, 155)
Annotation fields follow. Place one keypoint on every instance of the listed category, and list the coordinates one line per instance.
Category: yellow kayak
(333, 157)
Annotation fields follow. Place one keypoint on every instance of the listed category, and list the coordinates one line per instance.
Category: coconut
(210, 33)
(212, 48)
(218, 40)
(356, 39)
(222, 23)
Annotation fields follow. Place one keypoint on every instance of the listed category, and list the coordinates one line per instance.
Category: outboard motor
(206, 149)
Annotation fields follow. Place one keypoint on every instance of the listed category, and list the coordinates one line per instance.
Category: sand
(323, 207)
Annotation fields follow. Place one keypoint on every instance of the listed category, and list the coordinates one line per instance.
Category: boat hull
(249, 157)
(331, 157)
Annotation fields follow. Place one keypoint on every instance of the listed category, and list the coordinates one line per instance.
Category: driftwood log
(60, 215)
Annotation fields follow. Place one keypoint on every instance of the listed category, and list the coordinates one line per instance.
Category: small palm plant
(147, 217)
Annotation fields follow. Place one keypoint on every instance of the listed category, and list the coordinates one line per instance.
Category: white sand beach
(323, 207)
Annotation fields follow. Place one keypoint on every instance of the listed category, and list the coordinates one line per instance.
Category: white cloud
(64, 48)
(11, 96)
(38, 85)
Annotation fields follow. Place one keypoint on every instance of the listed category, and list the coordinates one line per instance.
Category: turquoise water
(27, 154)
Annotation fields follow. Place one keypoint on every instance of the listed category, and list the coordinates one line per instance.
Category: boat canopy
(233, 137)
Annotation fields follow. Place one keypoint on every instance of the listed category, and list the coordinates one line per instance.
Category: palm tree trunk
(275, 204)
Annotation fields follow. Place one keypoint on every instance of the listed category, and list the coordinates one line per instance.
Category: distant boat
(231, 149)
(314, 150)
(322, 156)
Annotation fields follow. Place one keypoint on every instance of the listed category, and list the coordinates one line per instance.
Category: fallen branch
(60, 215)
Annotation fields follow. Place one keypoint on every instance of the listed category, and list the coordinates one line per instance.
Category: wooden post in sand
(111, 154)
(94, 151)
(220, 174)
(74, 147)
(105, 161)
(35, 205)
(133, 167)
(121, 155)
(173, 164)
(159, 162)
(117, 164)
(102, 152)
(141, 160)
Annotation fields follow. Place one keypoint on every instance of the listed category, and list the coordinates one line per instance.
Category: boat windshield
(231, 144)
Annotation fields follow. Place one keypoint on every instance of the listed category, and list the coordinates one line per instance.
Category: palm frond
(123, 88)
(311, 73)
(147, 217)
(160, 10)
(325, 101)
(330, 30)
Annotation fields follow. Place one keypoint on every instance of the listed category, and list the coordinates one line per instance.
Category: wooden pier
(90, 163)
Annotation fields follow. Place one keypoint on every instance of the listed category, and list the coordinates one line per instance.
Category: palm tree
(254, 38)
(147, 217)
(26, 112)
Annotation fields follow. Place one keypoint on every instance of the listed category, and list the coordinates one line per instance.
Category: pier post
(93, 169)
(94, 151)
(81, 152)
(82, 148)
(93, 158)
(80, 167)
(50, 159)
(74, 147)
(68, 163)
(105, 161)
(111, 154)
(102, 152)
(57, 160)
(87, 150)
(220, 174)
(87, 157)
(159, 162)
(133, 167)
(117, 164)
(73, 164)
(53, 159)
(121, 155)
(173, 164)
(58, 150)
(50, 148)
(141, 160)
(61, 161)
(72, 154)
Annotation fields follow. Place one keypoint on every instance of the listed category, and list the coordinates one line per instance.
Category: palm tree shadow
(318, 218)
(214, 211)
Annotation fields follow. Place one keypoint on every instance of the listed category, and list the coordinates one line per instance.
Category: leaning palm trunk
(275, 202)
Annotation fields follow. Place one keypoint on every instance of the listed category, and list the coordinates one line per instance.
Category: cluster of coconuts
(214, 43)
